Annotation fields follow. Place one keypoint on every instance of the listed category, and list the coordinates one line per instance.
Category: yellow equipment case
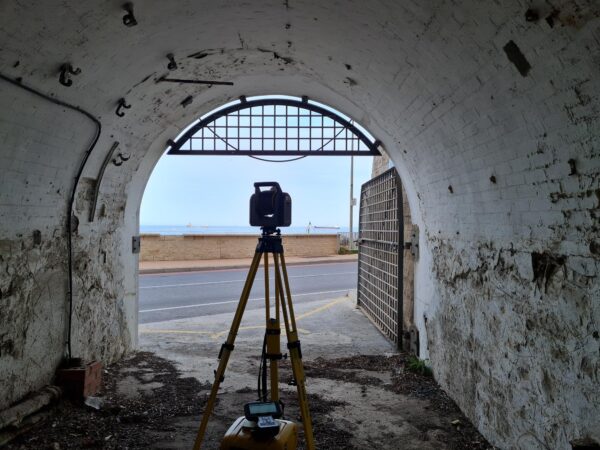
(242, 436)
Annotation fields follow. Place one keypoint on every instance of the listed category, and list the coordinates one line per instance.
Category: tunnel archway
(489, 113)
(276, 125)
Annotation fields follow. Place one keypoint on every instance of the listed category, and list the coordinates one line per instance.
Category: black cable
(256, 157)
(282, 405)
(73, 191)
(278, 161)
(261, 387)
(264, 370)
(258, 381)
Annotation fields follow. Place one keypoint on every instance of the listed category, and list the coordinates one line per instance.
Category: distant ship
(326, 228)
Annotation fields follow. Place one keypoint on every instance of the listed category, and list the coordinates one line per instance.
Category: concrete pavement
(327, 328)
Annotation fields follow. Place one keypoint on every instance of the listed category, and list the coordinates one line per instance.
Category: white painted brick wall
(432, 82)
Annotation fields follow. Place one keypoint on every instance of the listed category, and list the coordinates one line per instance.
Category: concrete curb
(234, 266)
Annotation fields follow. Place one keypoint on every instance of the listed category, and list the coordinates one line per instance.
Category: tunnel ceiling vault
(399, 90)
(437, 92)
(490, 111)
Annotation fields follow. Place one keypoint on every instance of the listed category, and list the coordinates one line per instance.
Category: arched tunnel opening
(285, 128)
(186, 306)
(489, 113)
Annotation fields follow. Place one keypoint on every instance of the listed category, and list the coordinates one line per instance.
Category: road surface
(190, 294)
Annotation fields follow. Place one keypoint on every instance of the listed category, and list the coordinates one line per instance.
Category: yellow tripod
(269, 242)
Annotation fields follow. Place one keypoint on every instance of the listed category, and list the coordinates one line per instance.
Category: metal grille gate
(381, 236)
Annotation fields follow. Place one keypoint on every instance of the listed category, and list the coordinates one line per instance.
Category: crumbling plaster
(484, 153)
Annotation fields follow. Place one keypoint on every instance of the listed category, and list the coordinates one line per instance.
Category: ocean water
(193, 229)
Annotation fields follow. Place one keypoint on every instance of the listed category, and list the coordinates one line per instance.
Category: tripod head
(269, 231)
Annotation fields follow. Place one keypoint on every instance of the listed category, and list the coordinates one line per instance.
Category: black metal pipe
(84, 160)
(99, 180)
(179, 80)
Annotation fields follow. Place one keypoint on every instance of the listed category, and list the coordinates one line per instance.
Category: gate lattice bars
(380, 253)
(276, 126)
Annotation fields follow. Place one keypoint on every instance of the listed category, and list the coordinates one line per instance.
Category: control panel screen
(262, 408)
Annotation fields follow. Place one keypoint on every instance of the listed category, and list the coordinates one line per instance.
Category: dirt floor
(362, 393)
(357, 402)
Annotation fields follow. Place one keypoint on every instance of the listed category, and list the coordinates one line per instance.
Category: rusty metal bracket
(99, 180)
(414, 241)
(129, 19)
(136, 244)
(66, 70)
(122, 104)
(172, 63)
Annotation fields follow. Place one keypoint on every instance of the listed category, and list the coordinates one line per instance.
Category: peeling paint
(33, 314)
(498, 327)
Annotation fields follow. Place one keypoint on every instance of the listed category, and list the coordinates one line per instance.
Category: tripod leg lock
(295, 344)
(222, 376)
(273, 356)
(227, 346)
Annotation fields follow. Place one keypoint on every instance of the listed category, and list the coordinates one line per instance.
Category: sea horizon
(236, 229)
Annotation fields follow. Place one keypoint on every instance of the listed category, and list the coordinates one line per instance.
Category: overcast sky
(215, 190)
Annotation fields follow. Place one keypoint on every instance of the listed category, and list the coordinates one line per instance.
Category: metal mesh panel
(274, 127)
(380, 255)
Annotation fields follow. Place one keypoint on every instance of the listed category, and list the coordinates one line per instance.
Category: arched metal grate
(274, 126)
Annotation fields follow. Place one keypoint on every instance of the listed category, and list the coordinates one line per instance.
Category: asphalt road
(181, 295)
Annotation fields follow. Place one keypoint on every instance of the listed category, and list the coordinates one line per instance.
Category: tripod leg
(274, 353)
(226, 350)
(267, 294)
(294, 348)
(273, 331)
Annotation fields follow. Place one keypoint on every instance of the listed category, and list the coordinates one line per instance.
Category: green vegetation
(346, 251)
(417, 365)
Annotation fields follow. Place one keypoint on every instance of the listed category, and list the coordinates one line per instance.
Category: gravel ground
(458, 431)
(126, 420)
(357, 402)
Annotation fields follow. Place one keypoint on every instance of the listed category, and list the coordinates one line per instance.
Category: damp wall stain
(33, 314)
(515, 340)
(34, 305)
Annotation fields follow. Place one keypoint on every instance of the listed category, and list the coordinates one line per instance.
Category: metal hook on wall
(187, 101)
(129, 19)
(172, 63)
(65, 71)
(121, 158)
(122, 104)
